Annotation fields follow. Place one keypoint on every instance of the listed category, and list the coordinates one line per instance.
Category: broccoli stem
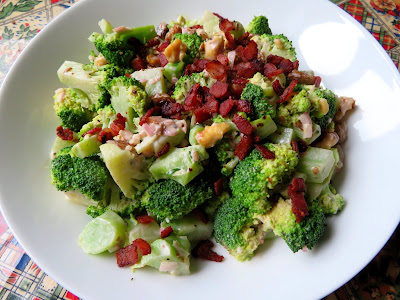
(317, 164)
(264, 126)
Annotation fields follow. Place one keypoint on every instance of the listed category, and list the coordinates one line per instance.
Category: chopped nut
(341, 130)
(153, 60)
(212, 134)
(172, 31)
(329, 140)
(195, 156)
(213, 47)
(324, 105)
(176, 51)
(347, 103)
(278, 43)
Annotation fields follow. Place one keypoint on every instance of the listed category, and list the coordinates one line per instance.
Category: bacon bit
(127, 256)
(205, 112)
(302, 146)
(226, 107)
(243, 106)
(203, 250)
(223, 59)
(166, 232)
(317, 81)
(217, 15)
(105, 135)
(92, 131)
(219, 89)
(200, 64)
(265, 152)
(258, 65)
(162, 46)
(164, 150)
(171, 110)
(296, 191)
(315, 170)
(243, 125)
(244, 146)
(245, 69)
(128, 75)
(244, 39)
(237, 86)
(295, 146)
(143, 246)
(250, 51)
(65, 134)
(138, 63)
(225, 25)
(295, 65)
(194, 99)
(150, 112)
(144, 219)
(269, 67)
(286, 65)
(274, 59)
(218, 187)
(278, 89)
(272, 74)
(153, 42)
(200, 215)
(118, 124)
(163, 59)
(216, 70)
(288, 91)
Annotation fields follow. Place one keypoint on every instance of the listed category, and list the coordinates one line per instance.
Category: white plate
(344, 54)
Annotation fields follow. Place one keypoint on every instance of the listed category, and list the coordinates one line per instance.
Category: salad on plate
(194, 130)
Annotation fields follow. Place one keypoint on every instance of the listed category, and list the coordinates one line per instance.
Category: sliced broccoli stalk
(316, 163)
(192, 134)
(275, 44)
(173, 71)
(180, 164)
(129, 170)
(259, 25)
(330, 201)
(149, 232)
(60, 144)
(169, 255)
(282, 135)
(191, 227)
(316, 132)
(106, 232)
(153, 80)
(87, 146)
(264, 126)
(192, 42)
(210, 23)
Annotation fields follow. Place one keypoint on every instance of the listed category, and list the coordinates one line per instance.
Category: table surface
(21, 278)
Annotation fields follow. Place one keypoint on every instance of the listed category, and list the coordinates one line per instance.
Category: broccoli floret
(225, 156)
(235, 230)
(288, 113)
(211, 206)
(266, 84)
(326, 119)
(255, 187)
(105, 116)
(259, 25)
(128, 97)
(282, 221)
(192, 42)
(330, 202)
(260, 106)
(168, 199)
(117, 46)
(71, 106)
(65, 150)
(184, 84)
(87, 176)
(276, 45)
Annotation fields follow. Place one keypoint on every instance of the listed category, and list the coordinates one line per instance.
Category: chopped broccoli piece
(105, 116)
(330, 202)
(192, 42)
(225, 156)
(87, 176)
(276, 45)
(255, 187)
(260, 105)
(259, 25)
(211, 205)
(184, 84)
(288, 113)
(326, 119)
(168, 199)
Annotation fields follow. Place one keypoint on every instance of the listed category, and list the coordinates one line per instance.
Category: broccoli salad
(193, 131)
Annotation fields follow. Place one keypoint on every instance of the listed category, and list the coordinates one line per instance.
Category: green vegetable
(192, 134)
(193, 42)
(316, 163)
(260, 105)
(330, 202)
(275, 44)
(282, 135)
(184, 84)
(191, 227)
(264, 126)
(259, 25)
(153, 79)
(87, 146)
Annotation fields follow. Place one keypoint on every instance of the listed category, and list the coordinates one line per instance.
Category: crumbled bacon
(153, 42)
(205, 112)
(250, 51)
(258, 65)
(105, 135)
(269, 67)
(164, 150)
(225, 25)
(243, 106)
(203, 250)
(302, 146)
(302, 77)
(92, 131)
(286, 65)
(118, 124)
(288, 92)
(138, 63)
(244, 146)
(272, 74)
(216, 70)
(143, 246)
(265, 152)
(244, 39)
(149, 113)
(278, 89)
(274, 59)
(65, 134)
(166, 232)
(200, 64)
(162, 47)
(218, 187)
(163, 59)
(194, 98)
(127, 256)
(171, 110)
(245, 69)
(223, 59)
(243, 125)
(144, 219)
(219, 89)
(200, 215)
(296, 191)
(317, 81)
(237, 85)
(226, 107)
